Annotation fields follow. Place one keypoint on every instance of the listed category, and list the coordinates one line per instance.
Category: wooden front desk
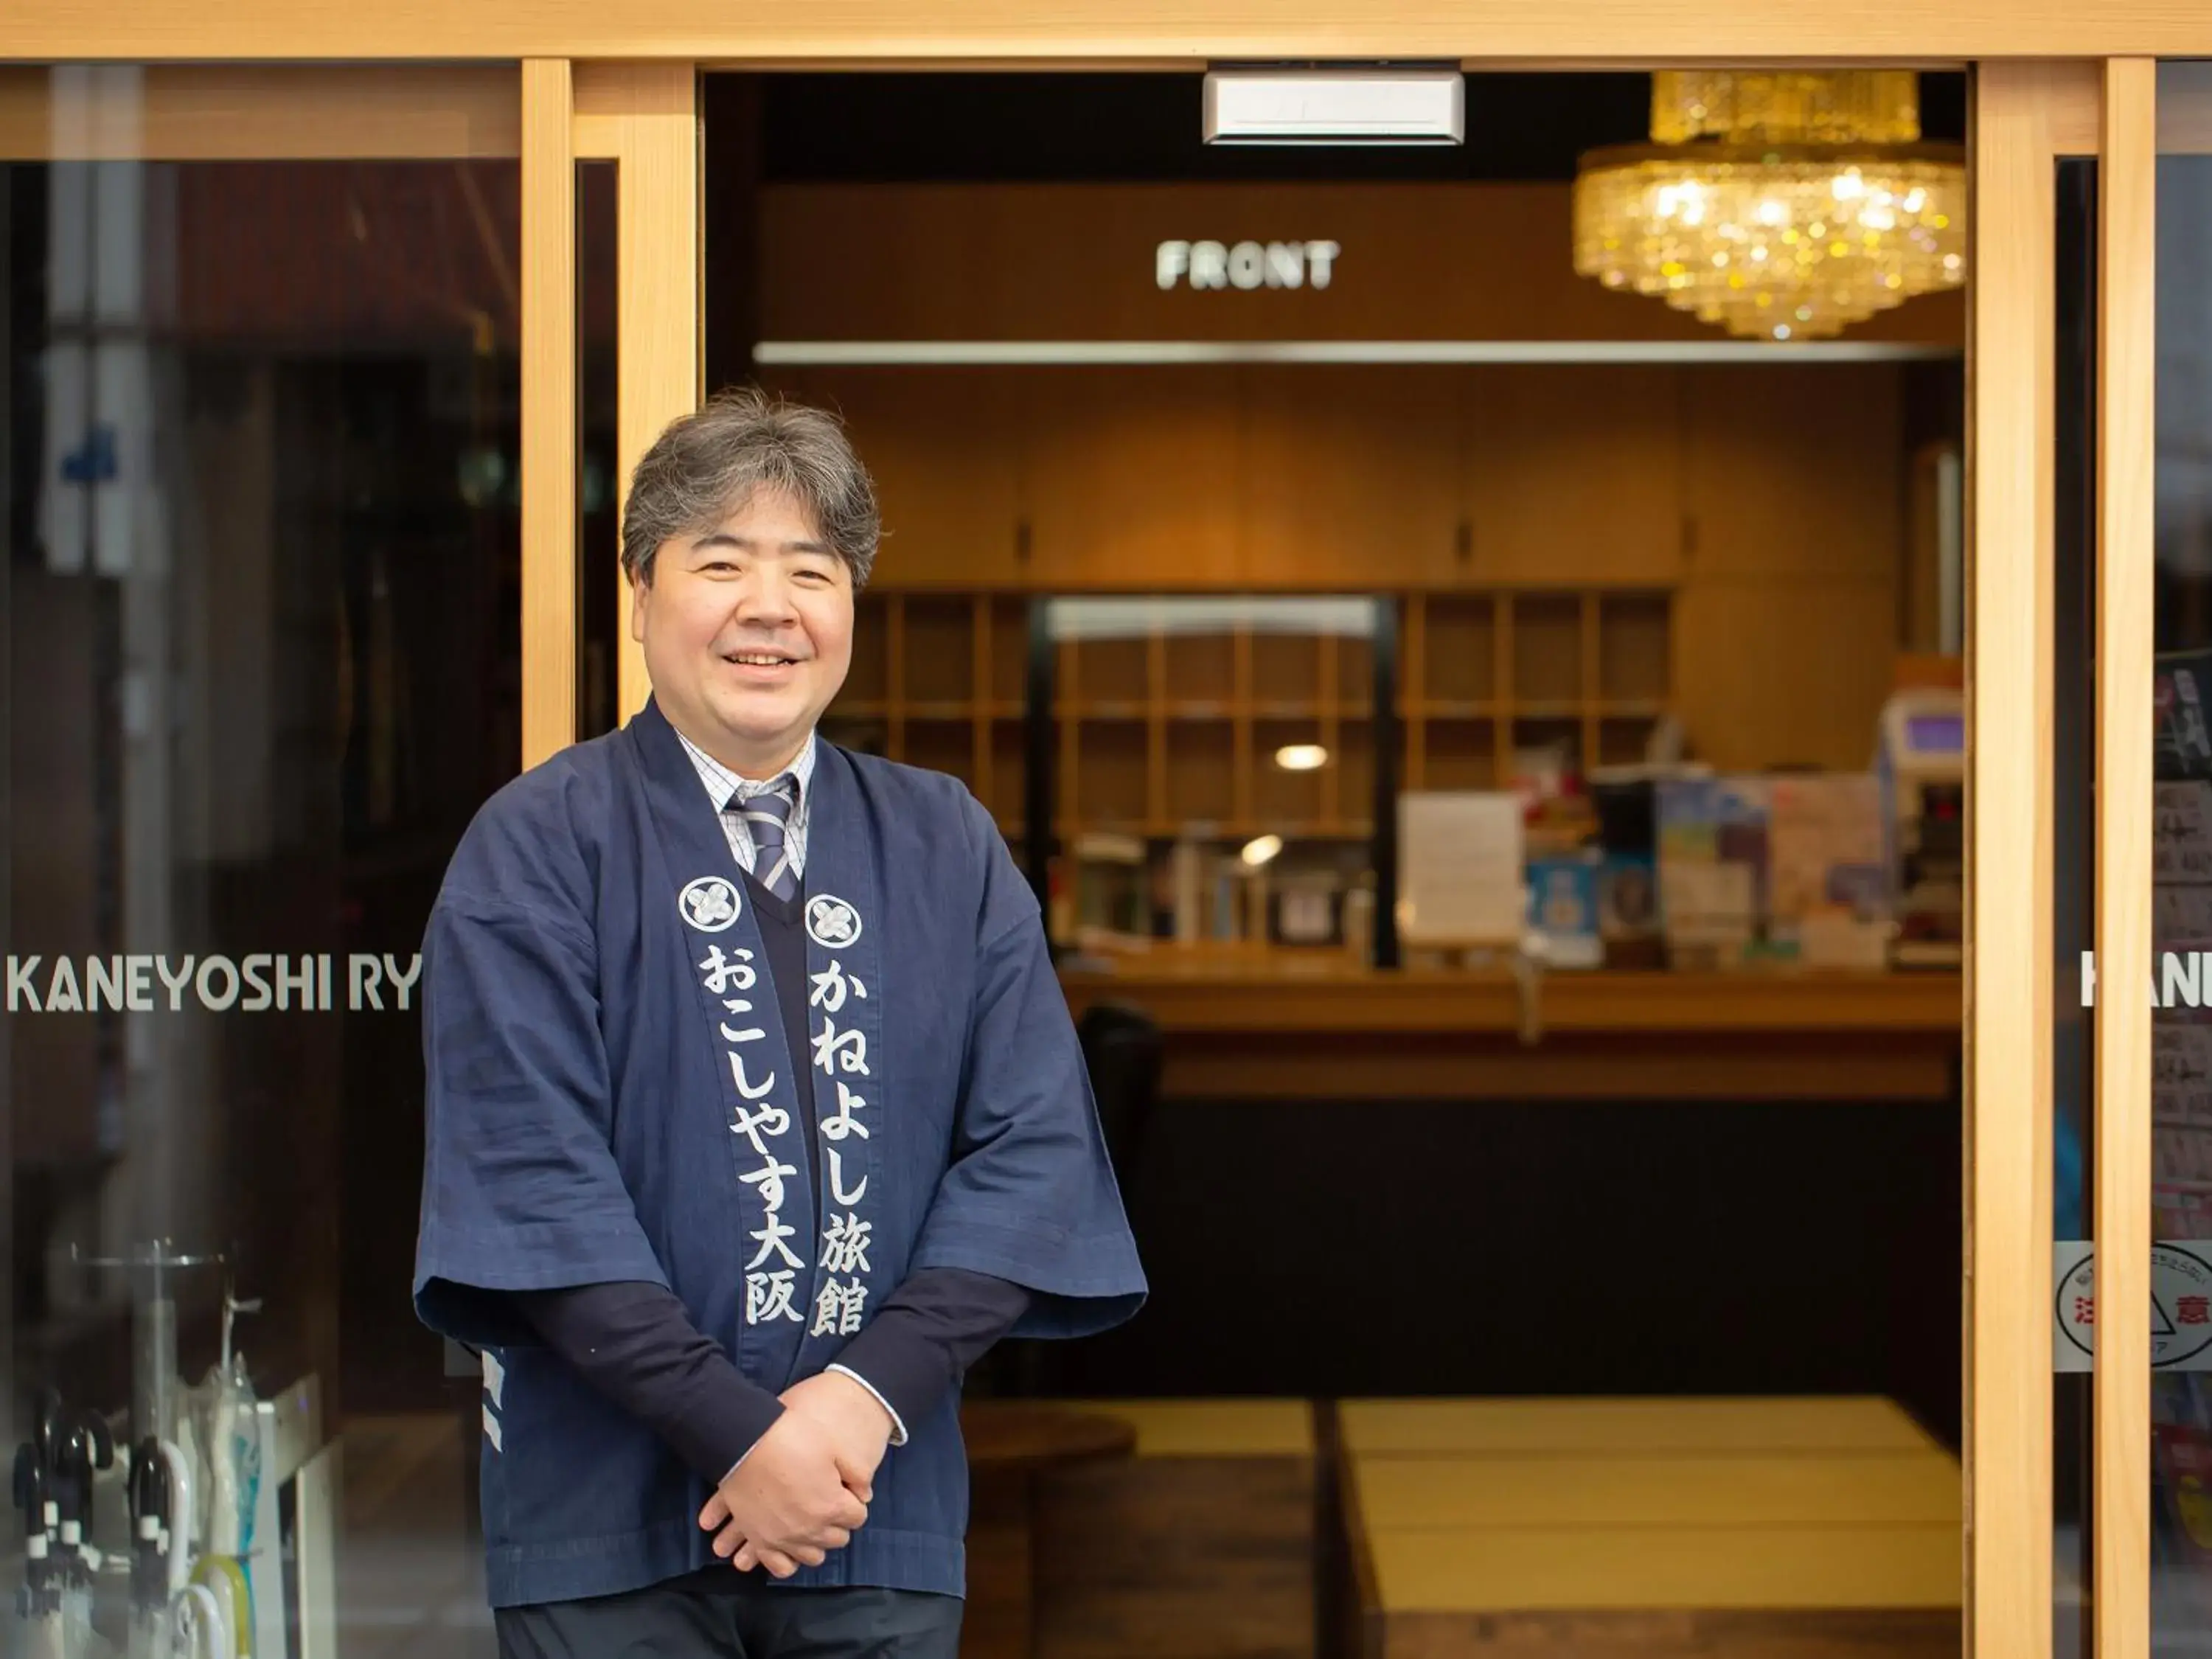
(1319, 1028)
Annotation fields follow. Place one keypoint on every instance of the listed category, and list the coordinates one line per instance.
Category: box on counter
(1307, 908)
(1828, 887)
(1625, 800)
(1712, 836)
(1563, 908)
(1628, 910)
(1112, 886)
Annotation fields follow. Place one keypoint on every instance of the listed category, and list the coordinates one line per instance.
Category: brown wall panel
(1349, 469)
(1079, 262)
(943, 446)
(1130, 477)
(1574, 474)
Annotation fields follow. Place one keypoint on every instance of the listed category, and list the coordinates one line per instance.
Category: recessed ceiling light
(1302, 757)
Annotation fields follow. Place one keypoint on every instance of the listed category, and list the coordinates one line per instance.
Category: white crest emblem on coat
(709, 904)
(831, 921)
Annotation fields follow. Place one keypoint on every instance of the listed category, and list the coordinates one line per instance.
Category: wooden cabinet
(1364, 477)
(1794, 469)
(1785, 673)
(943, 447)
(938, 680)
(1351, 475)
(1789, 617)
(1574, 472)
(1130, 477)
(1170, 718)
(1720, 543)
(1488, 673)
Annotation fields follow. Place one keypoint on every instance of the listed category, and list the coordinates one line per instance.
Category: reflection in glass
(258, 450)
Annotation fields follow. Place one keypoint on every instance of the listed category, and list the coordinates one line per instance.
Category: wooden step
(1667, 1489)
(1423, 1428)
(1651, 1528)
(1213, 1428)
(1200, 1546)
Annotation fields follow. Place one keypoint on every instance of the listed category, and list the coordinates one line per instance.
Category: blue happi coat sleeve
(1029, 1195)
(521, 1189)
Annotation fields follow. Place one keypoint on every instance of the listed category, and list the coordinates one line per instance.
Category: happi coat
(611, 1097)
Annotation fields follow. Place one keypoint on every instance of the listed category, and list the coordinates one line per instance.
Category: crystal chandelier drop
(1781, 206)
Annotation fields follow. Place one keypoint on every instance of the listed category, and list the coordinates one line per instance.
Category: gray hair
(705, 467)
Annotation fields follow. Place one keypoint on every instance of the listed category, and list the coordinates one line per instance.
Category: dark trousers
(754, 1618)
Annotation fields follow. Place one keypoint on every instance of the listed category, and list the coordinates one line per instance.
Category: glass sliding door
(263, 355)
(2131, 1306)
(2157, 528)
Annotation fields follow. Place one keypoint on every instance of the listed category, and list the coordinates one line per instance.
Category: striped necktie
(767, 815)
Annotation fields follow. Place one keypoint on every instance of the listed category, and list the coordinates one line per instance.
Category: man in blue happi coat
(754, 1113)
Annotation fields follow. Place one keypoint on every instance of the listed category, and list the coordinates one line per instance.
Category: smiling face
(748, 632)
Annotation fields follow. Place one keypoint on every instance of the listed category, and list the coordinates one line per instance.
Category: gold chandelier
(1781, 206)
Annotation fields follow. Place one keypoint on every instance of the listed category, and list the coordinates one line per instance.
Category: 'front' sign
(1244, 264)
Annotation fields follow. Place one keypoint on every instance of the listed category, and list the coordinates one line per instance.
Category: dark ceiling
(1138, 127)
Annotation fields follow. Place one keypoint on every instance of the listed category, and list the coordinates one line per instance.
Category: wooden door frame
(2026, 118)
(2126, 630)
(1095, 34)
(645, 117)
(637, 106)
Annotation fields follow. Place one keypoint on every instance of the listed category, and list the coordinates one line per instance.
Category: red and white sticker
(2180, 1306)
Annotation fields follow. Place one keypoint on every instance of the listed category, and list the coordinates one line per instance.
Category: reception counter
(1321, 1027)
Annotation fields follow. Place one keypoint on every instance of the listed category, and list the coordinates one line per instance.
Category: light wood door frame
(1169, 35)
(248, 112)
(643, 116)
(550, 644)
(2008, 979)
(2127, 350)
(2027, 118)
(645, 119)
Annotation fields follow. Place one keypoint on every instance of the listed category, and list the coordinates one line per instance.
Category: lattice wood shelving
(938, 680)
(1175, 733)
(1484, 674)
